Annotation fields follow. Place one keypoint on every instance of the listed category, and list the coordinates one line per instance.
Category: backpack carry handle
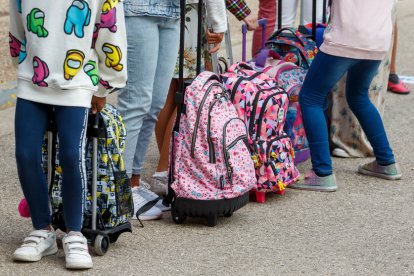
(261, 58)
(291, 30)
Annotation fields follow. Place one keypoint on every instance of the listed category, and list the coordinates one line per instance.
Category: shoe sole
(35, 258)
(398, 92)
(379, 175)
(315, 189)
(340, 154)
(143, 218)
(78, 265)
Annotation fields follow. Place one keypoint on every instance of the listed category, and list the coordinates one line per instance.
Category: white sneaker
(160, 185)
(161, 176)
(338, 152)
(160, 205)
(39, 243)
(144, 201)
(77, 255)
(152, 214)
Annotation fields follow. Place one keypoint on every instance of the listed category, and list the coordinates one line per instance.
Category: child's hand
(251, 22)
(97, 104)
(214, 38)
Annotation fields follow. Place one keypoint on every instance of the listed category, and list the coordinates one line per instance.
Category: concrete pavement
(365, 228)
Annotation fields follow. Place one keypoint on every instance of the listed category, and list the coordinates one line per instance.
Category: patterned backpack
(211, 159)
(292, 46)
(262, 105)
(291, 77)
(114, 195)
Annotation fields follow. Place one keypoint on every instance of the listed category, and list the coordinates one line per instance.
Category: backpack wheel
(212, 221)
(177, 218)
(101, 245)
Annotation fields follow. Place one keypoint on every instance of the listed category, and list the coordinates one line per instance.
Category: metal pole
(94, 173)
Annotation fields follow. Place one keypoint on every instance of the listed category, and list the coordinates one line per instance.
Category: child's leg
(71, 123)
(30, 125)
(268, 10)
(324, 73)
(134, 101)
(163, 127)
(358, 83)
(289, 9)
(307, 11)
(167, 57)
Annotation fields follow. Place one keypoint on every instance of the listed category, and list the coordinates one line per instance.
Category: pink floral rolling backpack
(212, 170)
(262, 105)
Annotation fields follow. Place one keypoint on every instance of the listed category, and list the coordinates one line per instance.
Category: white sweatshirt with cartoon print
(67, 51)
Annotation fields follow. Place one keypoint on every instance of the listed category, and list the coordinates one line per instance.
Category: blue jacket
(162, 8)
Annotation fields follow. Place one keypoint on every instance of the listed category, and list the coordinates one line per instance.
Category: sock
(75, 233)
(394, 78)
(161, 174)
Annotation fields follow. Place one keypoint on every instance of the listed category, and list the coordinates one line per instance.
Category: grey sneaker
(312, 182)
(390, 172)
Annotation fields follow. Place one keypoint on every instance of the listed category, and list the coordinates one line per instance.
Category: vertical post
(314, 2)
(279, 14)
(95, 172)
(199, 37)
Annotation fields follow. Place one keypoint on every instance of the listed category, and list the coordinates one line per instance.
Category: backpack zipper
(271, 143)
(200, 109)
(256, 99)
(229, 171)
(263, 109)
(211, 151)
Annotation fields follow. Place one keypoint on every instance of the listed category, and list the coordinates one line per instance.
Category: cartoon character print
(14, 45)
(95, 34)
(108, 20)
(73, 63)
(105, 84)
(109, 4)
(41, 72)
(17, 48)
(77, 17)
(113, 56)
(92, 71)
(23, 53)
(36, 22)
(19, 6)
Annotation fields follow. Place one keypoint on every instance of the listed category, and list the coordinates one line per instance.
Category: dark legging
(30, 125)
(325, 72)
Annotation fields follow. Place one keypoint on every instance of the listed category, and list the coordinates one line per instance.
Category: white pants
(289, 8)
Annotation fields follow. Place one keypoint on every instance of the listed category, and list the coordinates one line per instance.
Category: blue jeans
(152, 54)
(31, 122)
(324, 73)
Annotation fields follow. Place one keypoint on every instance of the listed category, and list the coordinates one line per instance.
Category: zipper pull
(222, 182)
(229, 174)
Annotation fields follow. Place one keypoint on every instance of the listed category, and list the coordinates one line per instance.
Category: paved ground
(366, 228)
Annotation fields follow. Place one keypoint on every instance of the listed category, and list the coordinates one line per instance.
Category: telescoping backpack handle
(182, 85)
